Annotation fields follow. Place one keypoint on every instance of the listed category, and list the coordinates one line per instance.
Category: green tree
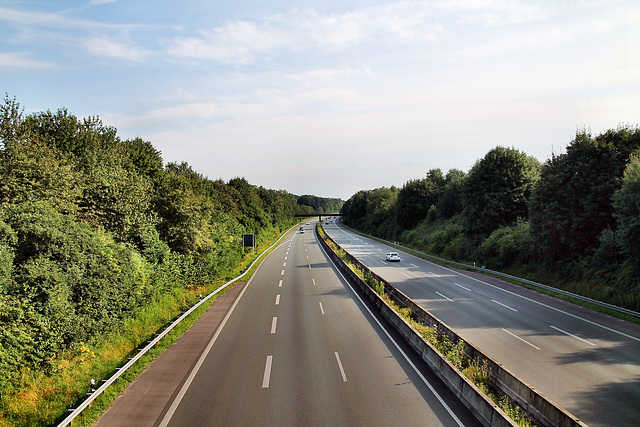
(450, 201)
(355, 209)
(626, 203)
(572, 203)
(497, 189)
(416, 197)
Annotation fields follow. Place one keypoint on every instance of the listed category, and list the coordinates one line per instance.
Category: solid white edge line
(532, 300)
(397, 346)
(267, 372)
(540, 303)
(176, 402)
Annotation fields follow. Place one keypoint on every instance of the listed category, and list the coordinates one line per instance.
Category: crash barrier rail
(540, 409)
(506, 276)
(119, 371)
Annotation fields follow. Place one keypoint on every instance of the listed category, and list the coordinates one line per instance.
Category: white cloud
(235, 42)
(105, 46)
(309, 31)
(99, 2)
(21, 60)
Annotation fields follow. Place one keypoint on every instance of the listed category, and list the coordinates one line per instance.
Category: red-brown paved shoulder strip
(146, 399)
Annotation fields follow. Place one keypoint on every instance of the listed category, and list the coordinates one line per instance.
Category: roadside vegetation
(572, 222)
(478, 373)
(101, 244)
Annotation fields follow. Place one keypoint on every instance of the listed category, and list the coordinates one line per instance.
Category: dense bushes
(94, 228)
(573, 220)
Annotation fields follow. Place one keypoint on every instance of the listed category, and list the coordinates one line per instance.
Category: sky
(329, 97)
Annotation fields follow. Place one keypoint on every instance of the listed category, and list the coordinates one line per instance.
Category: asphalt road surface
(298, 347)
(587, 362)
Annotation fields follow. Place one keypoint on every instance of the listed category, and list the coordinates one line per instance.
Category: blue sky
(329, 97)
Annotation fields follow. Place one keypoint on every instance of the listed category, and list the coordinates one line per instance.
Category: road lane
(587, 362)
(322, 361)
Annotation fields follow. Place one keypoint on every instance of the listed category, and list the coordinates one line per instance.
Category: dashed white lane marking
(521, 339)
(267, 372)
(573, 336)
(321, 308)
(445, 297)
(278, 299)
(405, 274)
(282, 274)
(463, 287)
(274, 322)
(280, 284)
(344, 377)
(413, 265)
(504, 305)
(314, 281)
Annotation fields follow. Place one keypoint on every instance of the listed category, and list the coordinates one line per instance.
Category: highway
(587, 362)
(299, 347)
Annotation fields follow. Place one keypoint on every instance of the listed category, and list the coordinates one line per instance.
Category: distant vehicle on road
(302, 230)
(393, 256)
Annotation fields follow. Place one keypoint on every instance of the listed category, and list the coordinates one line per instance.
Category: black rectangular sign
(248, 240)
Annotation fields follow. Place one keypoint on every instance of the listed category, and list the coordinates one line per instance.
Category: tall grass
(42, 398)
(476, 372)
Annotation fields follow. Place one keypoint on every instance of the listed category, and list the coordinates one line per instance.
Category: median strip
(446, 353)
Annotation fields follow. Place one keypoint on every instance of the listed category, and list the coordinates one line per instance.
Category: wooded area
(93, 228)
(572, 221)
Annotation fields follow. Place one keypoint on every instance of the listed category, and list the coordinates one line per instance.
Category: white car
(393, 256)
(302, 230)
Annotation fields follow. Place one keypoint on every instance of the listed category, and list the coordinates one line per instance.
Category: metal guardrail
(544, 411)
(119, 371)
(505, 275)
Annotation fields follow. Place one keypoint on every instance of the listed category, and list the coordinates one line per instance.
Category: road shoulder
(146, 399)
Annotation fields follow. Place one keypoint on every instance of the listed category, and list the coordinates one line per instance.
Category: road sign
(248, 240)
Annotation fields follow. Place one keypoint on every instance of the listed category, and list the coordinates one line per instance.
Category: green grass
(476, 372)
(579, 287)
(41, 399)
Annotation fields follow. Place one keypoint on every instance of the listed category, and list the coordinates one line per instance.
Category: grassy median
(478, 373)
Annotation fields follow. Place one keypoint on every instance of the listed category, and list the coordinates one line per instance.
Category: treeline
(313, 204)
(93, 227)
(572, 221)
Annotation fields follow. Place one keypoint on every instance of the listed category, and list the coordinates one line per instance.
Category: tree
(572, 203)
(416, 198)
(496, 191)
(626, 203)
(450, 201)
